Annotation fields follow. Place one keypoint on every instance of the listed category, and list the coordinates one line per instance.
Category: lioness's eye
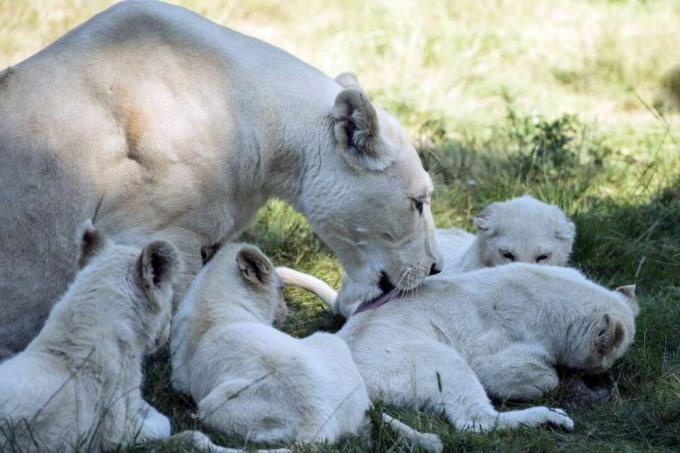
(418, 204)
(509, 256)
(541, 258)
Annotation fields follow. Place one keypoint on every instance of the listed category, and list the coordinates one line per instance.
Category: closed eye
(543, 257)
(508, 255)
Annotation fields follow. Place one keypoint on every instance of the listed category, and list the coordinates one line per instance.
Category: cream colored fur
(499, 331)
(254, 381)
(161, 124)
(77, 386)
(523, 230)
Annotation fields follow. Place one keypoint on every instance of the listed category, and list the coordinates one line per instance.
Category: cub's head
(124, 284)
(524, 230)
(370, 200)
(247, 278)
(607, 332)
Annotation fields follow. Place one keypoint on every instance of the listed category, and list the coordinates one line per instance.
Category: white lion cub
(499, 331)
(77, 384)
(521, 230)
(254, 381)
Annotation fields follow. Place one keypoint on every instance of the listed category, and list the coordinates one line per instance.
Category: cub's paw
(430, 442)
(558, 418)
(155, 425)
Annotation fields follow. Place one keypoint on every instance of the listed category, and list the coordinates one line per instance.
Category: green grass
(563, 99)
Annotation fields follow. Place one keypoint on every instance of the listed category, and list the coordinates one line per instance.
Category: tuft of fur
(523, 230)
(251, 380)
(78, 383)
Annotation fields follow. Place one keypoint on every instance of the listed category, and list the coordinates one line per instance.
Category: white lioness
(500, 331)
(522, 230)
(77, 384)
(254, 381)
(160, 123)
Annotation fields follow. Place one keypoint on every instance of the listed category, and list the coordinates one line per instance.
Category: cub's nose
(435, 269)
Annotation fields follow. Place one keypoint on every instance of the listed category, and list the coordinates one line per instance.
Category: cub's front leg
(428, 374)
(515, 373)
(131, 419)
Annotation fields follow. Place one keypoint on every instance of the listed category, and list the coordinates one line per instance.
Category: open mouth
(388, 293)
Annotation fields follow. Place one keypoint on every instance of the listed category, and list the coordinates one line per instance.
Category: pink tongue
(377, 302)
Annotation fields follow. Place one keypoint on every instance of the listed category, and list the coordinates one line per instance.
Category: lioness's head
(128, 284)
(371, 202)
(524, 230)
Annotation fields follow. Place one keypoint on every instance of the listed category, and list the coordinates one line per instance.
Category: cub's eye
(541, 258)
(509, 256)
(418, 204)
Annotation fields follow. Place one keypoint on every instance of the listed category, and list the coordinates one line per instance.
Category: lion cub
(498, 331)
(521, 230)
(77, 384)
(250, 379)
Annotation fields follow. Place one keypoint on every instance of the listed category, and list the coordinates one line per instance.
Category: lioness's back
(139, 97)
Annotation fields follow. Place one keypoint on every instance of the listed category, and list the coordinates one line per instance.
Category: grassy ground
(562, 99)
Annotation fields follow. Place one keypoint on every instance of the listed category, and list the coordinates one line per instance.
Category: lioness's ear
(92, 242)
(356, 131)
(628, 292)
(609, 335)
(254, 265)
(157, 269)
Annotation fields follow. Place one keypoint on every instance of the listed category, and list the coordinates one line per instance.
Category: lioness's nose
(435, 269)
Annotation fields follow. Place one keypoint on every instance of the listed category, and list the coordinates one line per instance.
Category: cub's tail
(291, 277)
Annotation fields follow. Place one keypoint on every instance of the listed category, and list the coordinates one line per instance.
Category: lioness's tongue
(378, 301)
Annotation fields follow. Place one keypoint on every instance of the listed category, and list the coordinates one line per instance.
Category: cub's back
(36, 388)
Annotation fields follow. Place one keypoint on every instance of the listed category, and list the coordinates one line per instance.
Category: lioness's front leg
(516, 373)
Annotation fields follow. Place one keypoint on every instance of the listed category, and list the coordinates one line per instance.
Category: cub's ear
(567, 229)
(254, 265)
(356, 131)
(92, 242)
(609, 335)
(628, 292)
(158, 266)
(348, 80)
(485, 220)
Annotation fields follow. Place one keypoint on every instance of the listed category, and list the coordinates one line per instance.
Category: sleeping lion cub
(254, 381)
(498, 331)
(77, 386)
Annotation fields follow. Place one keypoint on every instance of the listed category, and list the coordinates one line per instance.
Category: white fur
(77, 384)
(159, 123)
(254, 381)
(527, 229)
(498, 331)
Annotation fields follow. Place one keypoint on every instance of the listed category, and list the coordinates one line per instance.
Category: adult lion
(157, 122)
